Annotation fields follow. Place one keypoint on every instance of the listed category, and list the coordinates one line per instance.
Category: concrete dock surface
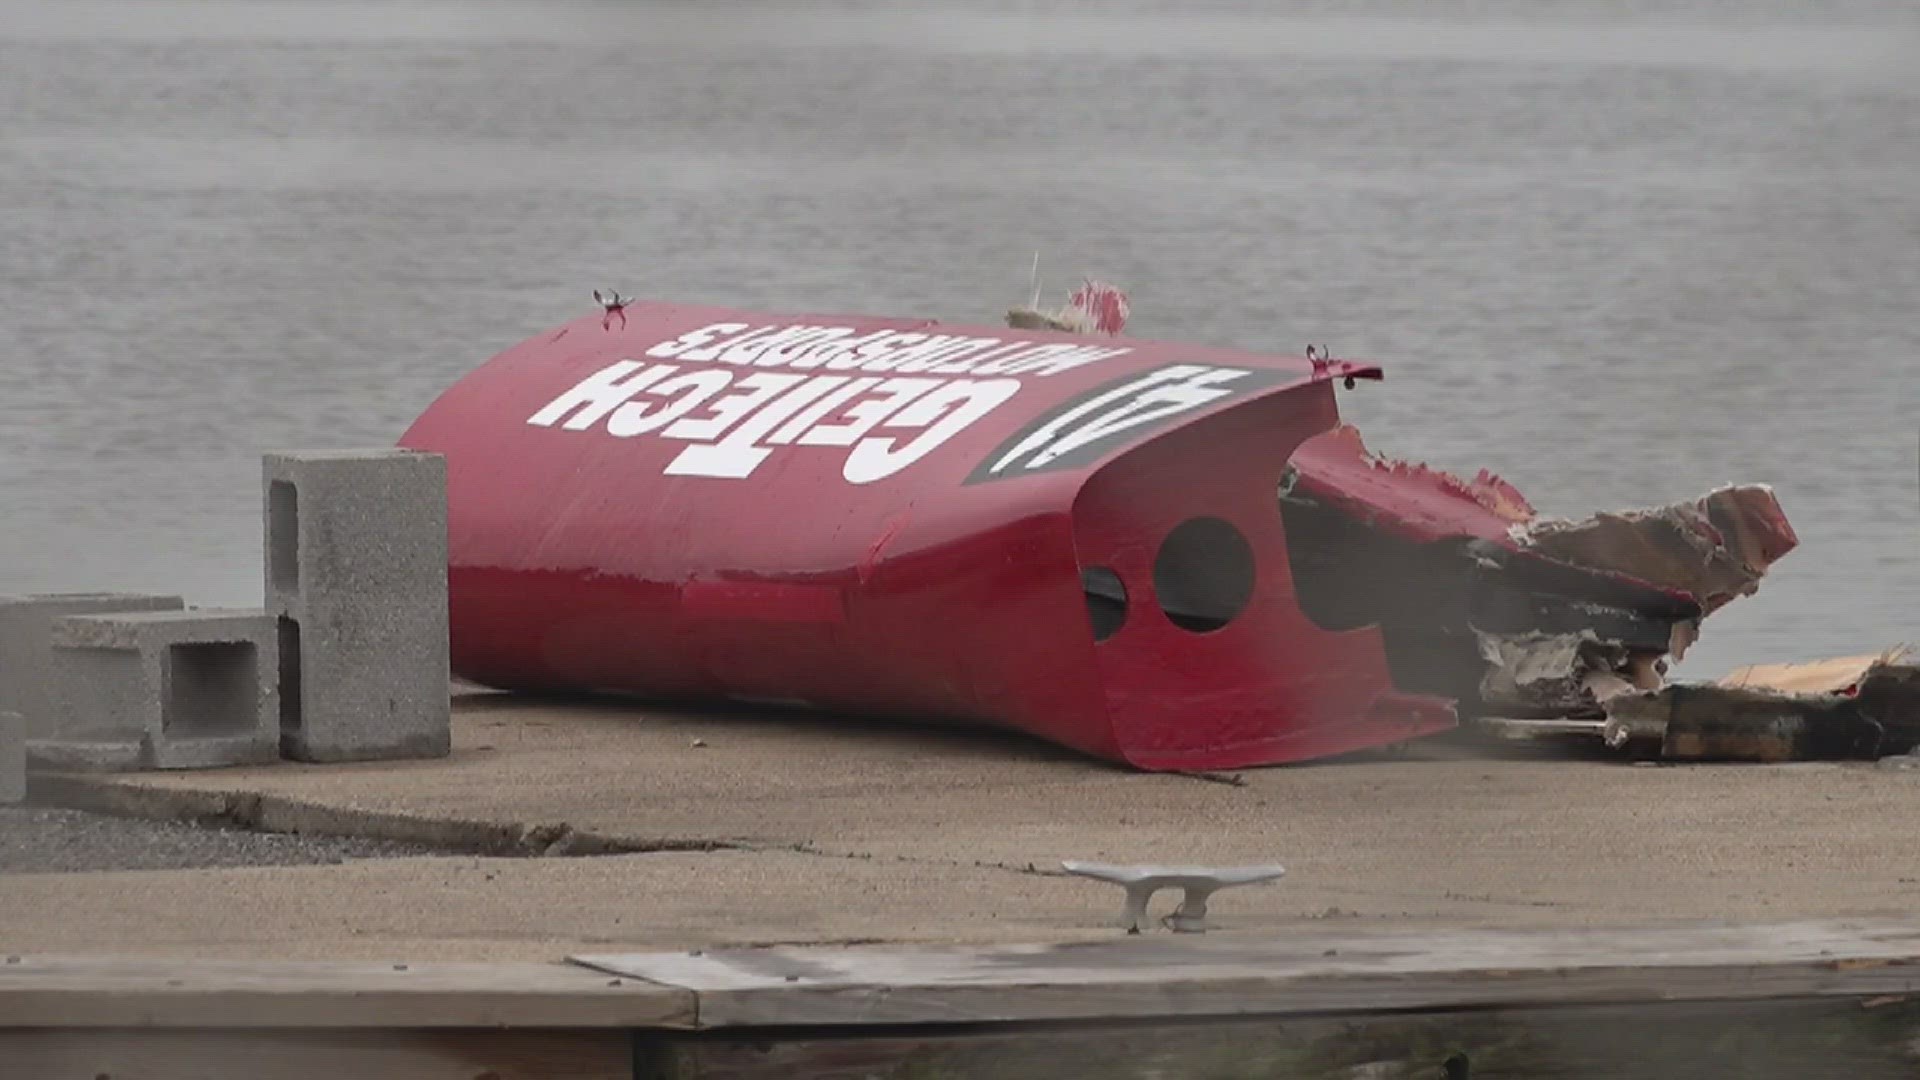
(749, 829)
(36, 839)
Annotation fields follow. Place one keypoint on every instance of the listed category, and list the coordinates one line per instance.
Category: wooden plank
(40, 991)
(176, 1054)
(1772, 1040)
(1224, 975)
(1829, 676)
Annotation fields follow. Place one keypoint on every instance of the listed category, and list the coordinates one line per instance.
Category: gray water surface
(1617, 253)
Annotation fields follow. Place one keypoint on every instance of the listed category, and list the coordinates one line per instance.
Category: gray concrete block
(26, 650)
(356, 571)
(13, 757)
(189, 689)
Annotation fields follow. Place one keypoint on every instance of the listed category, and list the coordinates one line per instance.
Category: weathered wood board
(1158, 976)
(1872, 1039)
(1786, 1040)
(117, 992)
(1788, 1001)
(267, 1054)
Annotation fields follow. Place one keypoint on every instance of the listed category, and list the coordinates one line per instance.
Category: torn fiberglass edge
(1520, 617)
(1482, 600)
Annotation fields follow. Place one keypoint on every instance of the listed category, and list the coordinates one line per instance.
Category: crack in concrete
(259, 813)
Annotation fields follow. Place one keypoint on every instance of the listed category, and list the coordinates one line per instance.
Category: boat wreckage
(1169, 556)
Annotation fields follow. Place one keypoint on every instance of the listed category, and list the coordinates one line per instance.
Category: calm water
(1616, 254)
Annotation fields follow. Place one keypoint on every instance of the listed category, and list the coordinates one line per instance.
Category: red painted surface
(1104, 304)
(866, 557)
(1423, 504)
(1412, 500)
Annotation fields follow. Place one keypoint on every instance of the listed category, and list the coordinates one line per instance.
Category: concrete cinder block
(356, 572)
(13, 757)
(26, 649)
(190, 689)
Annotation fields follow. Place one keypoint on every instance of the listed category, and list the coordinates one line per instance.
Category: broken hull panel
(1507, 613)
(894, 517)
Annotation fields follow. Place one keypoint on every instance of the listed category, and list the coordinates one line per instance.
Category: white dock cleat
(1200, 882)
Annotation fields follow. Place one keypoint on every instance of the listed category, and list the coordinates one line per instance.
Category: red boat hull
(892, 517)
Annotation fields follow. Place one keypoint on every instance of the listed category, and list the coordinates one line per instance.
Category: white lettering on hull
(888, 397)
(734, 421)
